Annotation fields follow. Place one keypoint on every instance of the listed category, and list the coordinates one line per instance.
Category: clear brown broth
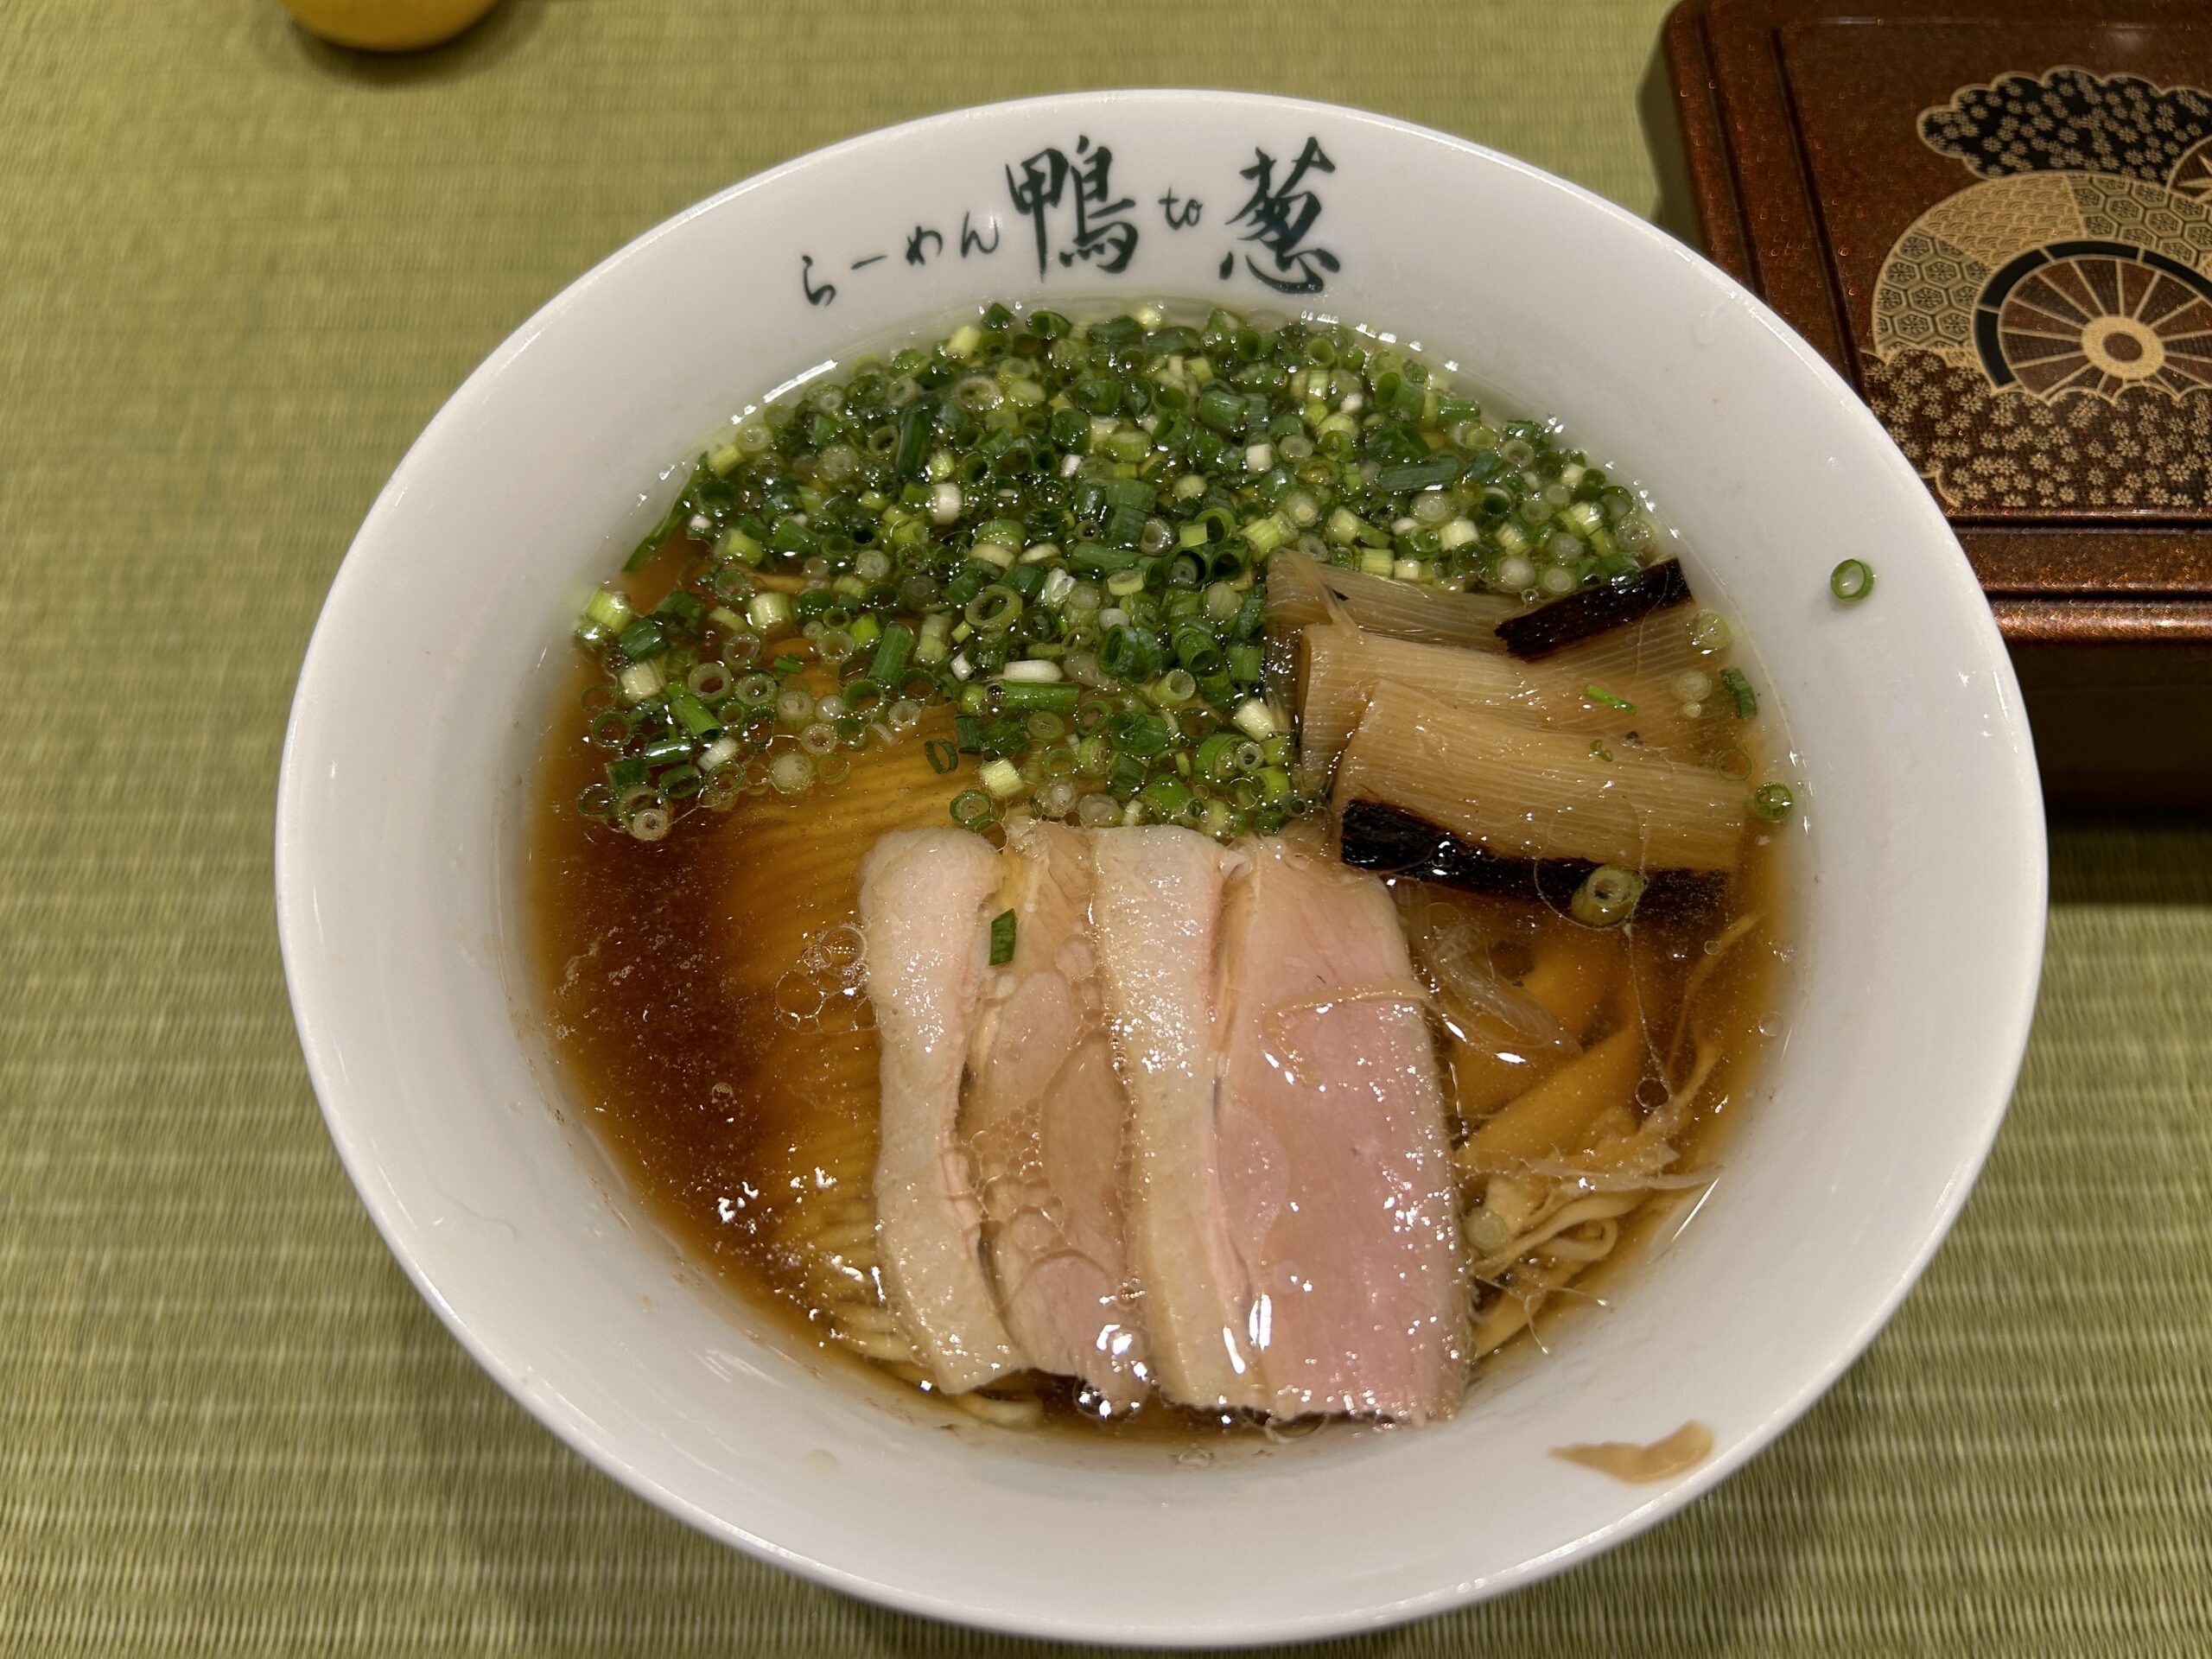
(744, 1125)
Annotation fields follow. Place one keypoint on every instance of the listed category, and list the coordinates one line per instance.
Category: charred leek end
(1393, 841)
(1521, 792)
(1593, 611)
(1608, 897)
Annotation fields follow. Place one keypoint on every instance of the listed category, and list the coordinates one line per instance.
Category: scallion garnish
(1063, 529)
(1053, 697)
(1002, 779)
(1599, 694)
(1772, 802)
(1740, 688)
(1002, 926)
(1709, 631)
(893, 655)
(1607, 896)
(608, 610)
(1852, 580)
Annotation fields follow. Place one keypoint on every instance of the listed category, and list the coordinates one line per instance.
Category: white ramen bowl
(1918, 888)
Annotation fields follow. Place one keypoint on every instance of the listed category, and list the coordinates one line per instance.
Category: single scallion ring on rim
(1852, 580)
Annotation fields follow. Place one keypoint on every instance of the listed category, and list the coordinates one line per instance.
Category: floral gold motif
(2042, 337)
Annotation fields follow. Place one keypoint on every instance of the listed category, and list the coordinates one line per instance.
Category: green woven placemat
(238, 272)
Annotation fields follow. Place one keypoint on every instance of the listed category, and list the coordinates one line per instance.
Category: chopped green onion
(1852, 580)
(792, 772)
(610, 610)
(1420, 474)
(1265, 534)
(972, 809)
(1599, 694)
(611, 728)
(644, 639)
(1137, 733)
(1216, 758)
(1002, 925)
(1057, 697)
(1739, 688)
(1607, 896)
(1173, 689)
(1002, 777)
(709, 681)
(1064, 533)
(1254, 719)
(1129, 653)
(686, 610)
(891, 657)
(1772, 802)
(642, 682)
(1709, 631)
(666, 750)
(694, 716)
(935, 644)
(992, 609)
(1221, 409)
(913, 438)
(1166, 798)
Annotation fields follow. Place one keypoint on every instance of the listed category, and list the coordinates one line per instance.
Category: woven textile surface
(239, 270)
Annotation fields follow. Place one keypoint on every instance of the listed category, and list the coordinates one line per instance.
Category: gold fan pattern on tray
(2192, 173)
(2098, 321)
(2056, 283)
(2043, 336)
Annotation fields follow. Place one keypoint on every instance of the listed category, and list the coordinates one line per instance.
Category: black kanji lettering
(1100, 237)
(1281, 217)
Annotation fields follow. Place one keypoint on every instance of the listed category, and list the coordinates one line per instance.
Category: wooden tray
(1994, 217)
